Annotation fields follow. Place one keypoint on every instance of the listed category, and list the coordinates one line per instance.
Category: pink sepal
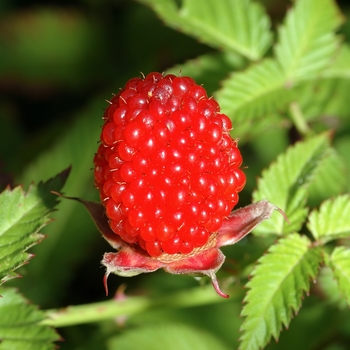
(131, 260)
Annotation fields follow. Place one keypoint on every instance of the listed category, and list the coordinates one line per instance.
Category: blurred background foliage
(59, 62)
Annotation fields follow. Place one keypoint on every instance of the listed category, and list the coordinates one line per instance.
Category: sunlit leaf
(255, 92)
(326, 99)
(331, 179)
(285, 184)
(328, 285)
(306, 40)
(241, 26)
(340, 264)
(276, 289)
(340, 67)
(332, 220)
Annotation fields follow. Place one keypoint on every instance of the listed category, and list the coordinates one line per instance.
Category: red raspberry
(167, 169)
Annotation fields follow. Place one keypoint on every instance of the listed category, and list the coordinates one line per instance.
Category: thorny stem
(129, 306)
(298, 119)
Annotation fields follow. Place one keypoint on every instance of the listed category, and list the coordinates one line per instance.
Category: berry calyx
(167, 168)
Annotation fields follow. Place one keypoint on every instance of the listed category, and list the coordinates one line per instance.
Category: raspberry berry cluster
(167, 168)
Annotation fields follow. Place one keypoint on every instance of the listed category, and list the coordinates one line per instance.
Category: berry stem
(298, 119)
(105, 310)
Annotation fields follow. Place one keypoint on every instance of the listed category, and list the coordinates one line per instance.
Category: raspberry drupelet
(167, 169)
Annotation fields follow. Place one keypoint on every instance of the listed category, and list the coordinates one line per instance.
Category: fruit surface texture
(167, 169)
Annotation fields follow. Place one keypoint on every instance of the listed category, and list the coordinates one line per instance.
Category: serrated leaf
(329, 287)
(306, 39)
(253, 93)
(340, 68)
(22, 215)
(332, 220)
(340, 264)
(170, 336)
(20, 324)
(241, 26)
(330, 181)
(285, 184)
(326, 99)
(276, 289)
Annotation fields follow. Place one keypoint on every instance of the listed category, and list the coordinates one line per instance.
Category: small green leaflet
(340, 264)
(170, 336)
(240, 26)
(331, 179)
(306, 40)
(22, 215)
(255, 92)
(340, 68)
(19, 324)
(328, 96)
(329, 286)
(285, 184)
(332, 220)
(276, 289)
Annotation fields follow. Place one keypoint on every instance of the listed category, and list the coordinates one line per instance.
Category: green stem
(74, 315)
(298, 119)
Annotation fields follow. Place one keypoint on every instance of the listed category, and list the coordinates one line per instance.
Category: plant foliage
(306, 40)
(331, 221)
(23, 214)
(280, 70)
(258, 91)
(20, 324)
(242, 26)
(276, 289)
(340, 264)
(286, 183)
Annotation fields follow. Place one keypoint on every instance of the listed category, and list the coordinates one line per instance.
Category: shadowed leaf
(22, 215)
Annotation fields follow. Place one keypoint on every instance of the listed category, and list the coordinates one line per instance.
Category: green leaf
(19, 324)
(241, 26)
(332, 220)
(276, 289)
(340, 264)
(330, 181)
(170, 336)
(255, 92)
(329, 287)
(340, 68)
(326, 99)
(22, 215)
(285, 184)
(306, 39)
(209, 69)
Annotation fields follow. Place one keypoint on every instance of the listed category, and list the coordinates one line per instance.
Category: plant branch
(122, 305)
